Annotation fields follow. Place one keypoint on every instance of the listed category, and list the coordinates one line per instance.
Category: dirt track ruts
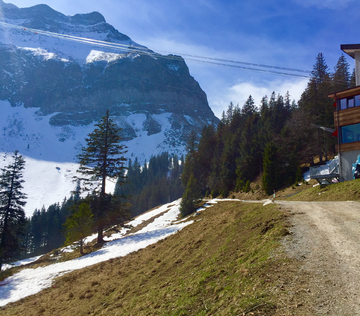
(326, 239)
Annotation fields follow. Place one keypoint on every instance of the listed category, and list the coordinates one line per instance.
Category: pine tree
(341, 76)
(12, 216)
(79, 225)
(205, 154)
(190, 198)
(271, 170)
(318, 105)
(352, 79)
(102, 158)
(191, 158)
(249, 107)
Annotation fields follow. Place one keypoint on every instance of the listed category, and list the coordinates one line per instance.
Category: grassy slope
(223, 264)
(345, 191)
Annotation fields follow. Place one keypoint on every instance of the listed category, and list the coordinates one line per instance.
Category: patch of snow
(74, 43)
(31, 281)
(41, 52)
(189, 119)
(96, 55)
(19, 263)
(173, 67)
(268, 201)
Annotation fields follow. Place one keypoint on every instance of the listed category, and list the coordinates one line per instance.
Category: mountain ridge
(77, 80)
(60, 74)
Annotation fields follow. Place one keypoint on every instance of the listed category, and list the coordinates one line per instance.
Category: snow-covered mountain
(59, 74)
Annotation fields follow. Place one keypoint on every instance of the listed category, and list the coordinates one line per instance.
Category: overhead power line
(173, 56)
(269, 69)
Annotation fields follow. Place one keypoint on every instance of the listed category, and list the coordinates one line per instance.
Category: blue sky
(282, 33)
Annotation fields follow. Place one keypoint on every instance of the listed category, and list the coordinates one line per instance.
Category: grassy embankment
(222, 264)
(344, 191)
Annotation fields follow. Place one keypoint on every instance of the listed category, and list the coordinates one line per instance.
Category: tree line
(273, 139)
(145, 187)
(154, 183)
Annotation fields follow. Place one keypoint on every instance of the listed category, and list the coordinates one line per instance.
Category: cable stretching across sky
(293, 72)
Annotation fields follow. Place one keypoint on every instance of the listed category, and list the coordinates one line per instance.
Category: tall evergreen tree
(102, 158)
(249, 107)
(271, 169)
(318, 105)
(190, 197)
(352, 79)
(190, 160)
(12, 201)
(341, 76)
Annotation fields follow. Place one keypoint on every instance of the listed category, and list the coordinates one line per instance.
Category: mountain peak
(44, 13)
(4, 5)
(88, 18)
(69, 75)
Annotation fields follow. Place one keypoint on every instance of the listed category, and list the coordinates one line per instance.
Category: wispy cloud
(330, 4)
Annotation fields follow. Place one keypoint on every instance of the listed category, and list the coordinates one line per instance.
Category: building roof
(350, 49)
(345, 93)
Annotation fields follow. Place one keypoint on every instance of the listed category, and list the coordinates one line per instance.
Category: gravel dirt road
(325, 243)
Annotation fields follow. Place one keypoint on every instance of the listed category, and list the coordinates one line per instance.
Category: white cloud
(239, 93)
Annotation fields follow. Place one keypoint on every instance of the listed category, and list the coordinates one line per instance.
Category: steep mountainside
(59, 74)
(73, 68)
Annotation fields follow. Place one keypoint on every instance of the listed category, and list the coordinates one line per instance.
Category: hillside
(234, 258)
(224, 262)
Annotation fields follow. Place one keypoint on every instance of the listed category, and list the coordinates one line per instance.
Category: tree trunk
(81, 247)
(100, 239)
(3, 237)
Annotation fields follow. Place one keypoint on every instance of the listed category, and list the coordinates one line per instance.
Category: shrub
(246, 187)
(214, 193)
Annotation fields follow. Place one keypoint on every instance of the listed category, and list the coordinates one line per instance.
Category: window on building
(347, 103)
(357, 100)
(350, 133)
(343, 104)
(351, 102)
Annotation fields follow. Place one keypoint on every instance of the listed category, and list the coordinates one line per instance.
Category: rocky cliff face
(49, 62)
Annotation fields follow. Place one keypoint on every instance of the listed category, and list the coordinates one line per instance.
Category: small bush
(224, 193)
(214, 193)
(246, 187)
(239, 185)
